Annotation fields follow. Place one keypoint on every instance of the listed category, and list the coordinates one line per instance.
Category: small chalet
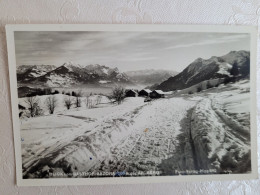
(21, 110)
(131, 93)
(21, 107)
(157, 94)
(145, 92)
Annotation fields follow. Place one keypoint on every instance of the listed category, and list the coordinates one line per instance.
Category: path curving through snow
(134, 137)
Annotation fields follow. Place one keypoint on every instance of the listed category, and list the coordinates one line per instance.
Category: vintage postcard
(104, 104)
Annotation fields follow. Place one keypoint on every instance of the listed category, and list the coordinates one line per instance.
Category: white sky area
(125, 50)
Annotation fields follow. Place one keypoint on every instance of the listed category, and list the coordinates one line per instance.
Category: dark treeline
(30, 92)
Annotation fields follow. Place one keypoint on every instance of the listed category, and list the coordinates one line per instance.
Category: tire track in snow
(215, 140)
(159, 141)
(136, 149)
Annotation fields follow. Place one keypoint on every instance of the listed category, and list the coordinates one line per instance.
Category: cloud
(136, 59)
(122, 49)
(211, 39)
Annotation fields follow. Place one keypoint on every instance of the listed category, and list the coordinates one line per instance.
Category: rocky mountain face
(70, 74)
(27, 72)
(150, 76)
(235, 63)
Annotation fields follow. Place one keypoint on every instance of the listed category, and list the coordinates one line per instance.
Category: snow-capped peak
(236, 56)
(105, 70)
(70, 65)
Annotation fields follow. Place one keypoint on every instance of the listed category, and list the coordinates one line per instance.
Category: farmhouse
(21, 107)
(145, 92)
(157, 94)
(131, 93)
(21, 110)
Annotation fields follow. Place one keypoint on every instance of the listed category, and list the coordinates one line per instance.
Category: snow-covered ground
(210, 130)
(220, 129)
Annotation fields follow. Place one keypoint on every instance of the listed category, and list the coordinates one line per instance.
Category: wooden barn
(20, 107)
(21, 110)
(145, 92)
(131, 93)
(157, 94)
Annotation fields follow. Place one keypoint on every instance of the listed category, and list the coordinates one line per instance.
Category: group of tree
(51, 102)
(33, 105)
(89, 102)
(77, 100)
(209, 85)
(41, 91)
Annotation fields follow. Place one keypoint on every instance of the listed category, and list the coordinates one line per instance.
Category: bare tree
(98, 99)
(111, 99)
(38, 110)
(33, 105)
(90, 105)
(68, 102)
(78, 99)
(118, 94)
(51, 103)
(88, 102)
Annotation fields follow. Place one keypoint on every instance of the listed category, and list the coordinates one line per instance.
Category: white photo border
(10, 29)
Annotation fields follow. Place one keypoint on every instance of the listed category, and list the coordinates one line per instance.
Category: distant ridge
(70, 74)
(150, 76)
(214, 67)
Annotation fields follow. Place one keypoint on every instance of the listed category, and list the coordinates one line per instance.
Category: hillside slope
(235, 62)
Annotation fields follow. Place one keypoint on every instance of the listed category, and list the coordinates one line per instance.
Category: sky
(125, 50)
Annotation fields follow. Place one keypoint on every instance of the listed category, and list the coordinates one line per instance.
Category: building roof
(159, 92)
(128, 90)
(168, 92)
(21, 107)
(147, 90)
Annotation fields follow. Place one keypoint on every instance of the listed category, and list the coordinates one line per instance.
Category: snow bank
(206, 133)
(230, 121)
(233, 106)
(216, 144)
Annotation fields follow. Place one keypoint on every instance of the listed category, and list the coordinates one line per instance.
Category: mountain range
(71, 74)
(206, 69)
(26, 73)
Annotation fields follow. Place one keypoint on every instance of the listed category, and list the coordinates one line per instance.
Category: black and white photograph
(107, 104)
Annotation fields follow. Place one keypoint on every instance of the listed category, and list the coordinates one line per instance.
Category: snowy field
(209, 130)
